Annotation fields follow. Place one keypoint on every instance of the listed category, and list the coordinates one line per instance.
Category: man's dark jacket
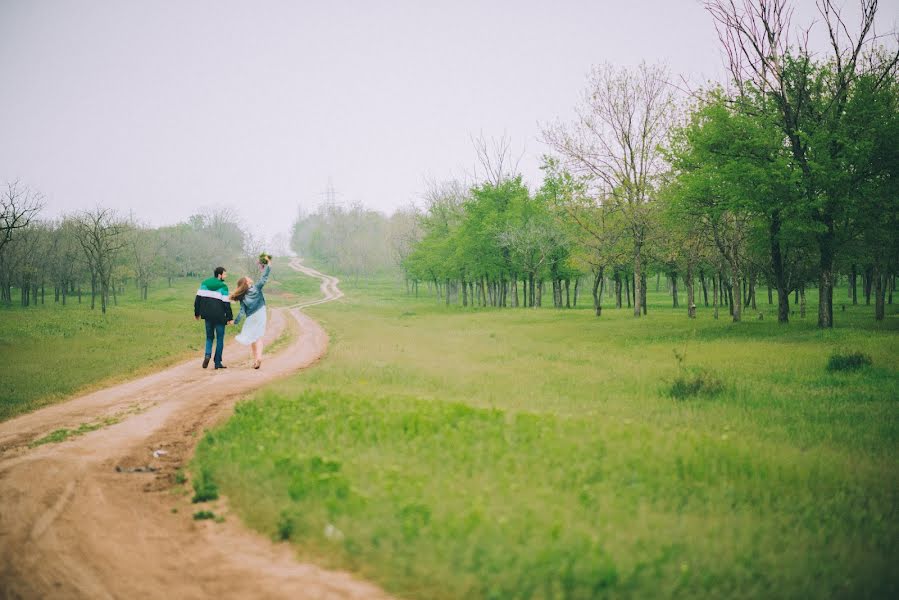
(212, 302)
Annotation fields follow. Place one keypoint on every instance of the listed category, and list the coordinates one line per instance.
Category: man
(213, 305)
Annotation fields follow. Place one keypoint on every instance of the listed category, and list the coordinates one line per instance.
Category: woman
(252, 306)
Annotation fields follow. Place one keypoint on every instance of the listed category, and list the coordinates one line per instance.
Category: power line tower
(330, 194)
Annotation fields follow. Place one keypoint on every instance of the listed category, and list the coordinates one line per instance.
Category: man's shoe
(220, 367)
(206, 361)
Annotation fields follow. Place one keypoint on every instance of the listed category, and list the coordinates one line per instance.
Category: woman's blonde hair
(243, 287)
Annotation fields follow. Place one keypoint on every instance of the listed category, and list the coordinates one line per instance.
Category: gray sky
(163, 107)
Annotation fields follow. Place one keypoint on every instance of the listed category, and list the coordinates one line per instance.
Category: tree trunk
(567, 293)
(826, 245)
(879, 293)
(639, 281)
(853, 284)
(643, 287)
(618, 302)
(597, 292)
(93, 291)
(540, 293)
(715, 280)
(691, 305)
(627, 289)
(532, 289)
(867, 279)
(752, 291)
(674, 300)
(802, 301)
(705, 290)
(577, 285)
(464, 294)
(892, 287)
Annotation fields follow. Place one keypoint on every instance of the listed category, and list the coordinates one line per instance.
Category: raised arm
(264, 278)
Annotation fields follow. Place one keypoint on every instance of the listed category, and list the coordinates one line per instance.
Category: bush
(850, 361)
(285, 526)
(696, 383)
(203, 515)
(204, 487)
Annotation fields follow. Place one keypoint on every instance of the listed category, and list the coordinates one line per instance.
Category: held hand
(231, 322)
(196, 317)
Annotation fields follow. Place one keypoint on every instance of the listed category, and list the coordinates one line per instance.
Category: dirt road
(92, 517)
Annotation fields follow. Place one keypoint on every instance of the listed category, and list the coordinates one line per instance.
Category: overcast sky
(159, 108)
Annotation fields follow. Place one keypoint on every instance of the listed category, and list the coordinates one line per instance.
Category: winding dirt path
(77, 520)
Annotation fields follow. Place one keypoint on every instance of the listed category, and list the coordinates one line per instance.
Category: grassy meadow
(485, 453)
(51, 352)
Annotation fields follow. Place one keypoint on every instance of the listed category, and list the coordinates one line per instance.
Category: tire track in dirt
(73, 526)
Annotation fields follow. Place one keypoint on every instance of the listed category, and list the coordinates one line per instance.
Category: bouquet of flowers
(264, 258)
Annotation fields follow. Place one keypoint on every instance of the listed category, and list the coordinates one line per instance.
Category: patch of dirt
(92, 517)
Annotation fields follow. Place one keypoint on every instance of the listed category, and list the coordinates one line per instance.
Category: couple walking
(213, 305)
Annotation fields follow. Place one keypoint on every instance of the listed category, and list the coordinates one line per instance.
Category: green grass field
(52, 351)
(464, 453)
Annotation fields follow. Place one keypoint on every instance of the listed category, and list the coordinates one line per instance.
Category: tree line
(353, 240)
(785, 178)
(97, 252)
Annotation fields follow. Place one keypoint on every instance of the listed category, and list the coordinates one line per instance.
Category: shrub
(695, 383)
(285, 526)
(204, 487)
(850, 361)
(203, 515)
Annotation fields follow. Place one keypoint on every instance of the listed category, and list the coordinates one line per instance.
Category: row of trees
(353, 240)
(787, 178)
(101, 251)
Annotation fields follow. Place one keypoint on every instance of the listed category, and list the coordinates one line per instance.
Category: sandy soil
(77, 520)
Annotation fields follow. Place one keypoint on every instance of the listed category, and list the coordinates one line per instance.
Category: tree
(19, 205)
(623, 122)
(146, 246)
(732, 175)
(811, 99)
(596, 229)
(101, 235)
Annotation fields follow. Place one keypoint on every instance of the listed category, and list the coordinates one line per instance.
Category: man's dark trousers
(215, 331)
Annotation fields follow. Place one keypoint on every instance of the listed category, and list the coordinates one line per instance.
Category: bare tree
(101, 235)
(146, 246)
(496, 163)
(253, 246)
(623, 121)
(19, 205)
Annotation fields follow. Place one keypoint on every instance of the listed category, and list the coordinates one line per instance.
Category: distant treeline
(353, 240)
(97, 252)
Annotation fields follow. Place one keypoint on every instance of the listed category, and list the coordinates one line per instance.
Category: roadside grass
(482, 453)
(61, 435)
(51, 352)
